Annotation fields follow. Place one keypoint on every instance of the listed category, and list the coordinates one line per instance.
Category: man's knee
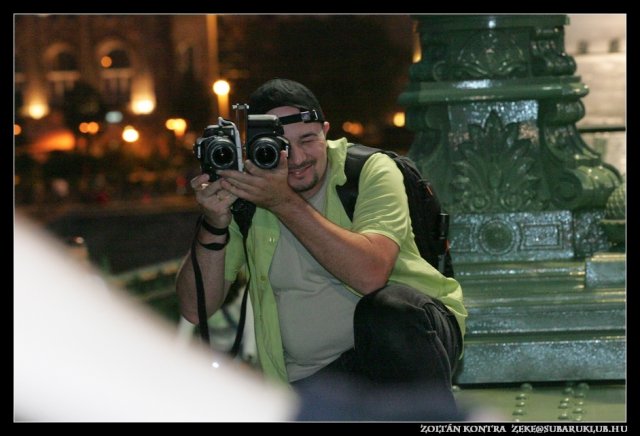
(390, 313)
(396, 316)
(390, 304)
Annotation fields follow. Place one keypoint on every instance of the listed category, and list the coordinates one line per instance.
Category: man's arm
(216, 203)
(363, 261)
(212, 270)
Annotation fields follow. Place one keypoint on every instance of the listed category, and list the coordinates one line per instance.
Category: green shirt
(381, 208)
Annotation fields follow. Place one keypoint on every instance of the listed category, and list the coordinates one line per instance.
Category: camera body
(220, 147)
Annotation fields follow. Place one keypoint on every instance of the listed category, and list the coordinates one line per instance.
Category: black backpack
(430, 224)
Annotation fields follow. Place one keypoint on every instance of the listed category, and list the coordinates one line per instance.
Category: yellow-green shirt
(381, 208)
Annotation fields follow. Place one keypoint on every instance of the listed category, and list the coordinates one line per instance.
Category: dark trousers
(401, 337)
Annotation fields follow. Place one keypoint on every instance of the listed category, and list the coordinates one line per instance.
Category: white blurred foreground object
(86, 352)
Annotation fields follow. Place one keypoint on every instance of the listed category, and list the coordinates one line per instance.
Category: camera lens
(222, 154)
(266, 153)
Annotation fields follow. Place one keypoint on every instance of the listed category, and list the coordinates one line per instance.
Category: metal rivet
(579, 403)
(565, 400)
(584, 386)
(518, 412)
(526, 387)
(579, 395)
(521, 396)
(577, 418)
(563, 406)
(563, 415)
(520, 404)
(578, 410)
(455, 388)
(568, 391)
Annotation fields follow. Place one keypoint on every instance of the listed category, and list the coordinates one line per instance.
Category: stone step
(595, 355)
(505, 271)
(547, 318)
(541, 321)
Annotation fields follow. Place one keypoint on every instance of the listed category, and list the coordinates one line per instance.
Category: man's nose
(296, 156)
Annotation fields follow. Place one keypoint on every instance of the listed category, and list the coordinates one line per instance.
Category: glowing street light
(221, 88)
(398, 119)
(177, 125)
(130, 134)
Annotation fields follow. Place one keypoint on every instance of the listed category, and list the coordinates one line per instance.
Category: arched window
(116, 72)
(64, 61)
(63, 73)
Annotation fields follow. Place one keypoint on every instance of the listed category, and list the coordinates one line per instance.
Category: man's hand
(266, 188)
(214, 199)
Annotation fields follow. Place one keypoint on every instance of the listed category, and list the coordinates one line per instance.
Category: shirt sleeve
(234, 253)
(382, 205)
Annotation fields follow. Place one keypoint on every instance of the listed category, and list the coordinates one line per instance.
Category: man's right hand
(215, 201)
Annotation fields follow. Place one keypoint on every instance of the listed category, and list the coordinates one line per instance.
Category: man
(328, 294)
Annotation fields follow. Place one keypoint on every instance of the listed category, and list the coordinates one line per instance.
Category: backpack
(429, 223)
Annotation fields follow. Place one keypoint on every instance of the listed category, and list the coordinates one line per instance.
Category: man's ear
(325, 128)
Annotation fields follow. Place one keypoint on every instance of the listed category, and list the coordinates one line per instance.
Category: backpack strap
(357, 155)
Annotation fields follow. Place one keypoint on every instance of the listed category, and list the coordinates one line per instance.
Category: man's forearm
(211, 264)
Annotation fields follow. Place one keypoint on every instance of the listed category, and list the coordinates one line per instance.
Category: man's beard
(314, 179)
(309, 186)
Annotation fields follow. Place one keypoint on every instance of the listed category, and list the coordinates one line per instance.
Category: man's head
(304, 127)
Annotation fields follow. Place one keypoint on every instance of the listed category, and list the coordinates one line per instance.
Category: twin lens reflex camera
(220, 147)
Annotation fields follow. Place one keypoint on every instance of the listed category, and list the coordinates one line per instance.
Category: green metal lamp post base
(494, 103)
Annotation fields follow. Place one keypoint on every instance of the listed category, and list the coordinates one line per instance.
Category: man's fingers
(197, 182)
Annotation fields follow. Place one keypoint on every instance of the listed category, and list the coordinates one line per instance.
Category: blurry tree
(349, 61)
(81, 104)
(192, 101)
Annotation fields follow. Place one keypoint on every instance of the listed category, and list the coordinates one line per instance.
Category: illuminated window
(63, 73)
(116, 72)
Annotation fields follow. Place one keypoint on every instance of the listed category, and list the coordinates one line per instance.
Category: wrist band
(215, 246)
(213, 230)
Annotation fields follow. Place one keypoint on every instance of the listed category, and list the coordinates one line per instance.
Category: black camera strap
(203, 326)
(243, 215)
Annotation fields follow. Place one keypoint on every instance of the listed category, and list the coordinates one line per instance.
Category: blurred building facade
(139, 71)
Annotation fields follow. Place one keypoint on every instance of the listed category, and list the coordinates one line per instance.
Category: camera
(220, 146)
(265, 140)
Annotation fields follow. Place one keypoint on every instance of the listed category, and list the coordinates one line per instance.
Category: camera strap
(243, 215)
(203, 326)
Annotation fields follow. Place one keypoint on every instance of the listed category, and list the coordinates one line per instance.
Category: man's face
(307, 154)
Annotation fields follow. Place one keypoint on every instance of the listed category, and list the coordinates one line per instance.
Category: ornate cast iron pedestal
(494, 103)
